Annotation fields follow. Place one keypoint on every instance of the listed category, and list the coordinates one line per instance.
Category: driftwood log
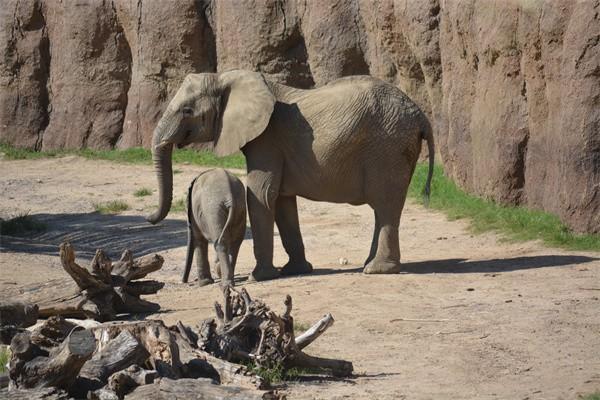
(101, 291)
(33, 367)
(200, 389)
(14, 318)
(247, 330)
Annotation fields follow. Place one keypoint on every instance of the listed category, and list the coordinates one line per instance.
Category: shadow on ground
(462, 265)
(90, 231)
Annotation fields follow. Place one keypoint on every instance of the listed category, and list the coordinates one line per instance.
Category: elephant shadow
(112, 233)
(462, 265)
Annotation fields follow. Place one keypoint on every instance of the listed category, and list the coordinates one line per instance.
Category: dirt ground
(473, 317)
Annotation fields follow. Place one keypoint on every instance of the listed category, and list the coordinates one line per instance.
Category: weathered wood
(102, 394)
(127, 380)
(50, 393)
(99, 292)
(314, 331)
(155, 338)
(14, 317)
(246, 329)
(118, 354)
(52, 332)
(18, 314)
(29, 369)
(204, 389)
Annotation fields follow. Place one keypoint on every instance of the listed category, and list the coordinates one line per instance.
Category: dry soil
(472, 317)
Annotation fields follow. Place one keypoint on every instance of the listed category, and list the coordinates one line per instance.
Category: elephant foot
(264, 274)
(297, 268)
(376, 266)
(205, 281)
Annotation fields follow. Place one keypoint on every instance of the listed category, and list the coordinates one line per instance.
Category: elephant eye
(187, 112)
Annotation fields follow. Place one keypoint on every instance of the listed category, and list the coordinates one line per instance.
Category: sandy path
(503, 320)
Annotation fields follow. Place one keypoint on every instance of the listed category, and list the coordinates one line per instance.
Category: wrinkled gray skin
(355, 140)
(216, 204)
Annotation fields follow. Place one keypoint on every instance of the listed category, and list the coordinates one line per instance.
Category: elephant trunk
(161, 156)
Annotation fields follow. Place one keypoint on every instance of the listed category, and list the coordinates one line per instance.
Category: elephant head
(229, 109)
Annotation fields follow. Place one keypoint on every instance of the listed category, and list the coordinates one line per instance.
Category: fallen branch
(314, 332)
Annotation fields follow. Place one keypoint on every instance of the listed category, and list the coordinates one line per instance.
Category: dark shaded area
(90, 231)
(462, 265)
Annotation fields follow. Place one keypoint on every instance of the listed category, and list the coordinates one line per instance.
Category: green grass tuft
(591, 396)
(179, 205)
(300, 327)
(21, 225)
(111, 207)
(515, 223)
(4, 357)
(277, 373)
(142, 192)
(136, 155)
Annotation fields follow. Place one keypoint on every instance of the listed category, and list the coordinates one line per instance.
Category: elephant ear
(248, 104)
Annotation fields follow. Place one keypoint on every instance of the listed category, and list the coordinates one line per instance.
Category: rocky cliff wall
(512, 87)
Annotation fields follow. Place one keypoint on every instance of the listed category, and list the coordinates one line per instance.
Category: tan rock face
(512, 87)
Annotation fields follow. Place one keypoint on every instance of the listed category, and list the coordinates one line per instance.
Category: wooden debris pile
(64, 358)
(112, 360)
(101, 291)
(246, 329)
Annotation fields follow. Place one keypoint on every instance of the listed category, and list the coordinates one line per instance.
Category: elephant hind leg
(204, 277)
(374, 241)
(388, 202)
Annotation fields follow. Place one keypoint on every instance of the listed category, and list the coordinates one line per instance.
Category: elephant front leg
(286, 217)
(261, 222)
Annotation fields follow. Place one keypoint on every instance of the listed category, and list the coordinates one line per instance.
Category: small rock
(343, 261)
(470, 289)
(508, 301)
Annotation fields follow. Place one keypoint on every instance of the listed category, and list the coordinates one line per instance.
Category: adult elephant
(355, 140)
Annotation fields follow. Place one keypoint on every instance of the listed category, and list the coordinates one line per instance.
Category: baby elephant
(216, 204)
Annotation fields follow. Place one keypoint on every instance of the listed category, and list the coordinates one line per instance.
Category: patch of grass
(142, 192)
(177, 171)
(21, 225)
(591, 396)
(515, 223)
(111, 207)
(136, 155)
(4, 357)
(300, 327)
(179, 205)
(278, 374)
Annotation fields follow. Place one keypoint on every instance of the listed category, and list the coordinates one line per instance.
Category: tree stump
(101, 291)
(34, 367)
(247, 330)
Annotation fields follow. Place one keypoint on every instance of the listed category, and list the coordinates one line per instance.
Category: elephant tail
(428, 136)
(227, 223)
(190, 243)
